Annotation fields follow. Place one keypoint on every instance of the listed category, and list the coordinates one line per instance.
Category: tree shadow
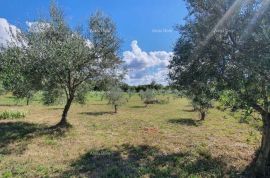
(137, 107)
(55, 109)
(98, 104)
(188, 110)
(96, 113)
(250, 171)
(15, 136)
(145, 161)
(185, 121)
(11, 105)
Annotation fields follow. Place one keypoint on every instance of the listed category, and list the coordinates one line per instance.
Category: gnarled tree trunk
(262, 164)
(63, 121)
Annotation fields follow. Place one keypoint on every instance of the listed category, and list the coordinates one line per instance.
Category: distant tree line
(105, 84)
(153, 85)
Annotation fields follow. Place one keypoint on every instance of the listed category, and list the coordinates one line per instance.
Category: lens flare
(259, 13)
(229, 13)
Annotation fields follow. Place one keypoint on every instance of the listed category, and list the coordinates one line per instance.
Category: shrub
(141, 94)
(149, 97)
(165, 101)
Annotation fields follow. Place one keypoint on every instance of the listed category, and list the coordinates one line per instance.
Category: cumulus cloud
(143, 67)
(136, 58)
(8, 33)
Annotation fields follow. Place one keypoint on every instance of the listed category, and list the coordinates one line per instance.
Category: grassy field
(163, 140)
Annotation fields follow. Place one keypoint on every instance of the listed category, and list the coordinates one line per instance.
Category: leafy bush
(12, 115)
(141, 94)
(165, 101)
(149, 95)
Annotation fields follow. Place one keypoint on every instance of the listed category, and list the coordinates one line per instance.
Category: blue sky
(149, 23)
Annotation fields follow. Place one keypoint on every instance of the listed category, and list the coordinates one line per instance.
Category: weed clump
(12, 115)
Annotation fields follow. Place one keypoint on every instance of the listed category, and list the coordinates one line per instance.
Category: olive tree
(17, 74)
(228, 43)
(69, 61)
(149, 97)
(191, 78)
(201, 98)
(116, 97)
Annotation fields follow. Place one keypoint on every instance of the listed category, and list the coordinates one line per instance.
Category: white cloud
(137, 58)
(8, 33)
(143, 67)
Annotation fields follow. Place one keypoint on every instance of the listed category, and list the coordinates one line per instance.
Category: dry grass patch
(157, 141)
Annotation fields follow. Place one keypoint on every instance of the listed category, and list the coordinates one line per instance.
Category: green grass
(162, 140)
(12, 115)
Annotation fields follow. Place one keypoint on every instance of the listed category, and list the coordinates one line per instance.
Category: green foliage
(225, 44)
(12, 115)
(62, 61)
(164, 101)
(153, 85)
(52, 96)
(81, 94)
(148, 95)
(240, 66)
(141, 94)
(201, 103)
(130, 93)
(203, 54)
(17, 74)
(116, 97)
(230, 99)
(7, 174)
(2, 89)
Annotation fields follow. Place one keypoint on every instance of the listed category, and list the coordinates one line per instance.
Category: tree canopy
(65, 61)
(225, 44)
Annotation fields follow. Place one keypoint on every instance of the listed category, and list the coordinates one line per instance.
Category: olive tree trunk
(63, 121)
(27, 101)
(115, 108)
(262, 164)
(202, 115)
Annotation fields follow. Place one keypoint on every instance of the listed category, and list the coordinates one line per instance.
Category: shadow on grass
(55, 109)
(98, 104)
(96, 113)
(185, 121)
(15, 136)
(188, 110)
(250, 171)
(11, 105)
(137, 107)
(145, 161)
